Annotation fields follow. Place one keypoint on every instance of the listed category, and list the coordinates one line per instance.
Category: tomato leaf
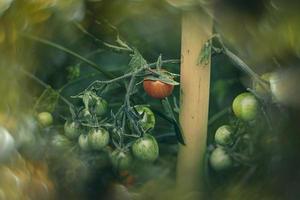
(47, 101)
(137, 61)
(177, 128)
(169, 111)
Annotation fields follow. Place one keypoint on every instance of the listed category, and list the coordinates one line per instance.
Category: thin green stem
(57, 46)
(39, 81)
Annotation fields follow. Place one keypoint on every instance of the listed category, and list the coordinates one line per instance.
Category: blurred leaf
(47, 101)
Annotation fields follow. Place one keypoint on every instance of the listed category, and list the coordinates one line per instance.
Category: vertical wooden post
(194, 99)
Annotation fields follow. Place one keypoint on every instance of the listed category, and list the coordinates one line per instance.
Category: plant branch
(57, 46)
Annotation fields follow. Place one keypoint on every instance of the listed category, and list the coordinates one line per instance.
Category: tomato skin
(148, 120)
(98, 138)
(72, 129)
(83, 142)
(146, 148)
(223, 135)
(157, 89)
(220, 160)
(45, 118)
(121, 160)
(245, 106)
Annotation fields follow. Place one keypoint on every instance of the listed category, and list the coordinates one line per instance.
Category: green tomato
(61, 142)
(121, 160)
(98, 138)
(245, 106)
(220, 160)
(72, 129)
(146, 148)
(45, 119)
(148, 120)
(223, 135)
(100, 107)
(83, 142)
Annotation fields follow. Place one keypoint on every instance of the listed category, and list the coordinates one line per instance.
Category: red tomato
(157, 89)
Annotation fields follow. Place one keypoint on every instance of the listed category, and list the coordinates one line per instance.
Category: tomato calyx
(162, 76)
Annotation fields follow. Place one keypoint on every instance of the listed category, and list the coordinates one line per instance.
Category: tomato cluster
(245, 108)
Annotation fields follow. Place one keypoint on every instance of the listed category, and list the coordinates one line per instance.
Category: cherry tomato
(101, 106)
(98, 138)
(45, 119)
(61, 142)
(220, 160)
(121, 159)
(157, 89)
(245, 106)
(146, 148)
(223, 135)
(72, 129)
(148, 120)
(83, 142)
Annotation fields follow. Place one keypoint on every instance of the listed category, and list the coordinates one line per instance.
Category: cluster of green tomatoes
(101, 136)
(245, 107)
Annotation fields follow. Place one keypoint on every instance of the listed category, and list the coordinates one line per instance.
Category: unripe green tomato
(220, 160)
(72, 129)
(83, 142)
(146, 148)
(245, 106)
(61, 142)
(45, 118)
(263, 90)
(101, 106)
(98, 138)
(223, 135)
(121, 160)
(148, 120)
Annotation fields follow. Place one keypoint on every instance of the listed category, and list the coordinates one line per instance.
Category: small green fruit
(45, 119)
(146, 148)
(72, 129)
(220, 160)
(223, 135)
(121, 160)
(83, 142)
(98, 138)
(245, 106)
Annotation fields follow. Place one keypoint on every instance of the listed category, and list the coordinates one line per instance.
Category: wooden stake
(194, 99)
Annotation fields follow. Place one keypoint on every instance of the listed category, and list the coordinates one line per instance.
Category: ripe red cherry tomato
(157, 89)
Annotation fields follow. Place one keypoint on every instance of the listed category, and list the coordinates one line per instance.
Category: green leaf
(177, 128)
(137, 61)
(47, 101)
(169, 112)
